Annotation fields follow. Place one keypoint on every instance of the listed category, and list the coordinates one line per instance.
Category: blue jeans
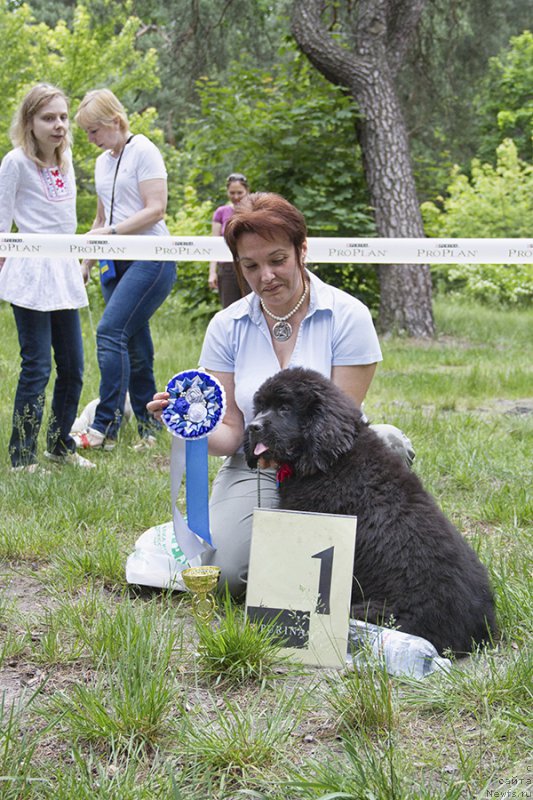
(38, 333)
(124, 342)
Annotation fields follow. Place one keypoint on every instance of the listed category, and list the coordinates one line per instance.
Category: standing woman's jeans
(38, 333)
(124, 342)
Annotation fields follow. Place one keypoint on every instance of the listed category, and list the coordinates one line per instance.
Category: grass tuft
(237, 651)
(363, 699)
(240, 741)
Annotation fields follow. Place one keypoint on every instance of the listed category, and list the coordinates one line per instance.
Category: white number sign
(300, 578)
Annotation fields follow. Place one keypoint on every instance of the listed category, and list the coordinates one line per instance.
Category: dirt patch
(522, 407)
(17, 679)
(25, 593)
(23, 597)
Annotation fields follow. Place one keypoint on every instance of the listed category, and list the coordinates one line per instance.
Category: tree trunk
(380, 36)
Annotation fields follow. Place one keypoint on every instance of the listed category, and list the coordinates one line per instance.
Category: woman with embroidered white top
(291, 318)
(131, 185)
(38, 194)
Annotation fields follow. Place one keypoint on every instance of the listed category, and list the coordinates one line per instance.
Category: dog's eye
(284, 409)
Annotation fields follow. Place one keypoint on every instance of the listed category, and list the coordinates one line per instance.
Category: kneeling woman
(290, 318)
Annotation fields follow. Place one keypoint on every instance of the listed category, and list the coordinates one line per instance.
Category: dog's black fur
(411, 564)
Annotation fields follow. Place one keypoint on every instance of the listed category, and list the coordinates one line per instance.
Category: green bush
(292, 132)
(505, 103)
(494, 202)
(493, 284)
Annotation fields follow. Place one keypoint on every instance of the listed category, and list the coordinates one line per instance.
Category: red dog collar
(284, 471)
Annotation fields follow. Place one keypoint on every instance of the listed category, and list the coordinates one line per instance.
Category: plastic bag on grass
(158, 559)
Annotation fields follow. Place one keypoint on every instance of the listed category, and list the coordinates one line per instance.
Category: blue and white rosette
(196, 407)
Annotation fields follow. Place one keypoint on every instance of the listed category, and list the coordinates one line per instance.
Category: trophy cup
(201, 581)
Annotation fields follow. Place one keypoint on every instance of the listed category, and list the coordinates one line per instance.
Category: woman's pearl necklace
(282, 330)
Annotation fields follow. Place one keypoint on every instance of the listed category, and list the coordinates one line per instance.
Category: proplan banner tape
(320, 250)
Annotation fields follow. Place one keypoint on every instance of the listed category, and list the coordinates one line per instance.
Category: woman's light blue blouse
(336, 331)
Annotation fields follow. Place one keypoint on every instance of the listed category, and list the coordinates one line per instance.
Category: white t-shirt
(141, 161)
(336, 331)
(39, 201)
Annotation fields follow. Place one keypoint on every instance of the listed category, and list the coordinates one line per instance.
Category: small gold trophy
(201, 581)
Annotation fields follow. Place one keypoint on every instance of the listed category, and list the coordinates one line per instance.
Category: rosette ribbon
(196, 407)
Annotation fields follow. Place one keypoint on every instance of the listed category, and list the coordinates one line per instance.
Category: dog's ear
(330, 425)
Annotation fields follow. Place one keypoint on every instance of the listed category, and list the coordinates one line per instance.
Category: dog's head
(302, 419)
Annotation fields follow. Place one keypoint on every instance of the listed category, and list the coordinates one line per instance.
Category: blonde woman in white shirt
(131, 185)
(38, 194)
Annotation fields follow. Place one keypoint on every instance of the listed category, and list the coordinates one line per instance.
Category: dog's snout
(257, 425)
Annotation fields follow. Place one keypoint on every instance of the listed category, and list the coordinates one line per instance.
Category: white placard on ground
(300, 575)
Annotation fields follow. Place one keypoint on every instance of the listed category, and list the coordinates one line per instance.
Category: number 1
(324, 580)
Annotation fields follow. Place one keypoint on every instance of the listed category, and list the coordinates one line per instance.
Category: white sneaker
(92, 439)
(146, 443)
(31, 469)
(74, 459)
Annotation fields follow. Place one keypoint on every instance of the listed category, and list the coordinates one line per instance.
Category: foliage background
(220, 86)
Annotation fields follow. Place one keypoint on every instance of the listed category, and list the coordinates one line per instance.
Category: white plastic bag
(158, 559)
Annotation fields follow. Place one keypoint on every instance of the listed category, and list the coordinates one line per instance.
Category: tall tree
(363, 50)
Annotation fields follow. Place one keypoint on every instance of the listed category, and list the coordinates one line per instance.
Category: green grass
(236, 652)
(112, 693)
(363, 699)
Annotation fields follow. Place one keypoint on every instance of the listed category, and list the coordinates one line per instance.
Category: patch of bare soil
(23, 596)
(521, 407)
(25, 592)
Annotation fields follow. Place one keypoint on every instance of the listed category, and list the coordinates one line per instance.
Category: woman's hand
(103, 231)
(86, 267)
(212, 280)
(156, 406)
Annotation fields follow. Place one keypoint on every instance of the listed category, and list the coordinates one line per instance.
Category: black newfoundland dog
(411, 564)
